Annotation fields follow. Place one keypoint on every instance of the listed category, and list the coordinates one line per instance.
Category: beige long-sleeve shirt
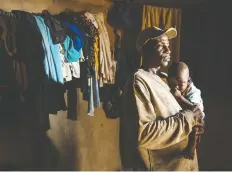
(154, 130)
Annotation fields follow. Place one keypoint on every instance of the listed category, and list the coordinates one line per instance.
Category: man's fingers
(198, 129)
(200, 125)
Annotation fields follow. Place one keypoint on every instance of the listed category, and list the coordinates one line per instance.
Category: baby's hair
(175, 68)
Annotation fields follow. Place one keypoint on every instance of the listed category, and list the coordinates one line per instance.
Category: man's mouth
(167, 58)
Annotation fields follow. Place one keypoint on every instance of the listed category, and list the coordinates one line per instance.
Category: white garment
(69, 69)
(194, 96)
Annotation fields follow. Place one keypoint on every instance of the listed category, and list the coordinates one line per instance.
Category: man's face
(162, 51)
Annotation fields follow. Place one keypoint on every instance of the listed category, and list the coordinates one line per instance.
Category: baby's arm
(184, 103)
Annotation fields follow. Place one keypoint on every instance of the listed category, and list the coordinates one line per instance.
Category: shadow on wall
(24, 140)
(23, 149)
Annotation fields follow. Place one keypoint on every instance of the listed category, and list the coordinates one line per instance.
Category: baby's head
(178, 76)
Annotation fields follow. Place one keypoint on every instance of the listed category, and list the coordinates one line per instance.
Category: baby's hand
(176, 93)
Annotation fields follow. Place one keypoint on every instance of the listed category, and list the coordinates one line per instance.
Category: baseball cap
(153, 33)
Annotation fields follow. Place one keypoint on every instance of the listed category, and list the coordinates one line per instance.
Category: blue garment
(90, 92)
(94, 97)
(52, 59)
(194, 95)
(79, 39)
(92, 87)
(71, 53)
(97, 102)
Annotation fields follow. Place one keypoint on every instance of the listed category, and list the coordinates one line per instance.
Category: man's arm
(159, 133)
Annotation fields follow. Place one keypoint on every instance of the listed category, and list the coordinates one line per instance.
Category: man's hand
(198, 129)
(198, 116)
(198, 113)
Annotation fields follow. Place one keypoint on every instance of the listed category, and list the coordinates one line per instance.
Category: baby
(189, 97)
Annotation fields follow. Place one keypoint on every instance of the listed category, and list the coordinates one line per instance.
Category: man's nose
(167, 50)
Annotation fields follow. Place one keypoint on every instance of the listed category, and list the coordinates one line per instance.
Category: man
(154, 129)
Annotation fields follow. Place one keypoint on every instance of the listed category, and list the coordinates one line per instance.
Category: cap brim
(171, 33)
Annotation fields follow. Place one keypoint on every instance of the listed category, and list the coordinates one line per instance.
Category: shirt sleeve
(194, 96)
(156, 133)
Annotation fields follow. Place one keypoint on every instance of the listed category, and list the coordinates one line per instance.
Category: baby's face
(180, 82)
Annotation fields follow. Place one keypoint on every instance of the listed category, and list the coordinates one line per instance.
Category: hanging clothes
(58, 54)
(106, 72)
(91, 29)
(96, 55)
(56, 28)
(69, 69)
(78, 24)
(93, 86)
(52, 86)
(93, 90)
(20, 74)
(75, 30)
(52, 62)
(90, 87)
(5, 67)
(8, 30)
(72, 54)
(29, 33)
